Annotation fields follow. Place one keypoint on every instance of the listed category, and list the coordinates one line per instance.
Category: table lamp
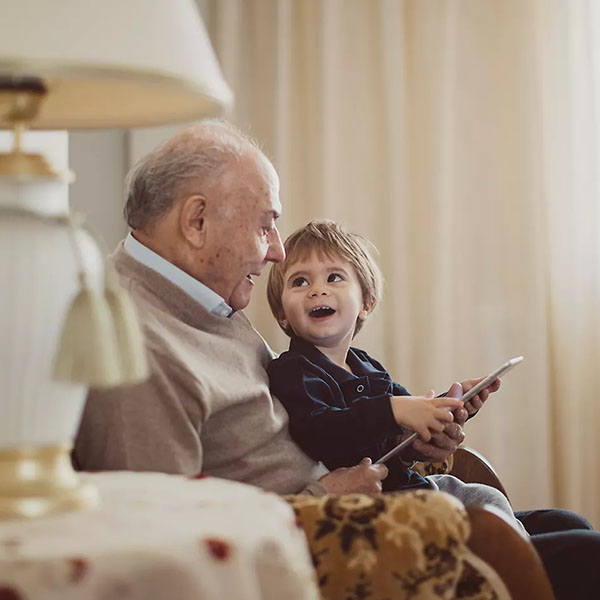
(65, 324)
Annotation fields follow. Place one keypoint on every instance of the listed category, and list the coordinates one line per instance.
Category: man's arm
(476, 402)
(147, 427)
(364, 478)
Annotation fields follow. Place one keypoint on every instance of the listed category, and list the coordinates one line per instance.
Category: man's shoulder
(161, 306)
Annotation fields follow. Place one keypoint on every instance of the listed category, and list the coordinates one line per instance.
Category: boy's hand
(475, 403)
(364, 478)
(424, 414)
(443, 444)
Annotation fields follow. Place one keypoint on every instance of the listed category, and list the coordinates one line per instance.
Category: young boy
(342, 404)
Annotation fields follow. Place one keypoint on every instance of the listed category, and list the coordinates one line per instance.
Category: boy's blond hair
(330, 239)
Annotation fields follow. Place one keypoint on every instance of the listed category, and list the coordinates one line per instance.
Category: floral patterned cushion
(407, 545)
(434, 468)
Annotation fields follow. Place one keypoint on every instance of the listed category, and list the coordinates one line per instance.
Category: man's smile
(253, 274)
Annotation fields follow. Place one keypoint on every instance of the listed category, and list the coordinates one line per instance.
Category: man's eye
(333, 277)
(299, 282)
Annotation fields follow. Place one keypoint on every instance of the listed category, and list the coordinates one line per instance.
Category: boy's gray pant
(476, 494)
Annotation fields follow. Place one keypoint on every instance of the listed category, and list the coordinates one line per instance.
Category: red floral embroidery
(79, 568)
(8, 593)
(218, 548)
(200, 475)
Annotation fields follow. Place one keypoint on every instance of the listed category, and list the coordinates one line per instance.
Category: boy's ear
(192, 220)
(283, 322)
(368, 306)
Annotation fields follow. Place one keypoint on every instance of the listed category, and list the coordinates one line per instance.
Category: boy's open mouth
(320, 312)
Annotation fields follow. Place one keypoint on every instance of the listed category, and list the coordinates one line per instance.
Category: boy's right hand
(424, 414)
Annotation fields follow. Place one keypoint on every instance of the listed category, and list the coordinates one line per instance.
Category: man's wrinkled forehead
(252, 172)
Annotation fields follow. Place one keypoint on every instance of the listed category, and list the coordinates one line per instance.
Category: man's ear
(192, 220)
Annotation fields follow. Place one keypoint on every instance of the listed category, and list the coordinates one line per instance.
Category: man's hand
(443, 444)
(364, 478)
(476, 402)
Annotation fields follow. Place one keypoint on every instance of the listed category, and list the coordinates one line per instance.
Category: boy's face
(322, 299)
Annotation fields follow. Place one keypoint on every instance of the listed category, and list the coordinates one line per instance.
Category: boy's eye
(299, 282)
(333, 277)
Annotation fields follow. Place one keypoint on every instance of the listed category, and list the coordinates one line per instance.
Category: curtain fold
(461, 137)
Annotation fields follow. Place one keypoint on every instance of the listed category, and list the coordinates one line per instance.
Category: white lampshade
(113, 63)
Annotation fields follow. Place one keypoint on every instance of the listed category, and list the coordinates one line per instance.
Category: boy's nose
(318, 291)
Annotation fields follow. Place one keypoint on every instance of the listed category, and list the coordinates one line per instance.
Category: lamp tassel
(129, 337)
(88, 347)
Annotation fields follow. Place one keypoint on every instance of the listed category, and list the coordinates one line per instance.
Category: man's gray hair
(189, 162)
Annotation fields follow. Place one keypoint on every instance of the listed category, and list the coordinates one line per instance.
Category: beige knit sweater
(207, 406)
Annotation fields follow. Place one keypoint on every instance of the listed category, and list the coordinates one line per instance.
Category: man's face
(242, 236)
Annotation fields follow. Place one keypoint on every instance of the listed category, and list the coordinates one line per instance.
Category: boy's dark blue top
(336, 416)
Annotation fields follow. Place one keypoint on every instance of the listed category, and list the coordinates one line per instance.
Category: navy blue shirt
(336, 416)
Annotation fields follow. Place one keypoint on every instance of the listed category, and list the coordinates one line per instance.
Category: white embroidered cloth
(159, 536)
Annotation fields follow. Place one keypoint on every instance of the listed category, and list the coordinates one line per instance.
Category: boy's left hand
(475, 403)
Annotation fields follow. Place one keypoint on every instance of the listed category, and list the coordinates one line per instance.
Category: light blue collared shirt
(210, 300)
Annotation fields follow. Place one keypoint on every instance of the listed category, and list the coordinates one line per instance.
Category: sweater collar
(151, 284)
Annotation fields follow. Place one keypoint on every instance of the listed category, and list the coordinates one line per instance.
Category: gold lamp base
(27, 166)
(20, 101)
(35, 482)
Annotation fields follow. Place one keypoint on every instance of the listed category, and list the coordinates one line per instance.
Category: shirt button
(360, 388)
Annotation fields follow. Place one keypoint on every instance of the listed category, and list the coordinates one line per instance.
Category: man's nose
(276, 251)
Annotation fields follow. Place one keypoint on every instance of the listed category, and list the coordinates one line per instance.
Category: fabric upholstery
(407, 545)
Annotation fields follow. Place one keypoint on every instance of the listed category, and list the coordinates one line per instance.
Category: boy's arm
(441, 445)
(319, 421)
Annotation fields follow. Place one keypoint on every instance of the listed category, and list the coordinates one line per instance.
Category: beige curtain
(462, 137)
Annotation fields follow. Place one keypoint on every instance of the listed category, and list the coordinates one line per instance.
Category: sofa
(418, 545)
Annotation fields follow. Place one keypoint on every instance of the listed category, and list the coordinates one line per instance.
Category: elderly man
(203, 209)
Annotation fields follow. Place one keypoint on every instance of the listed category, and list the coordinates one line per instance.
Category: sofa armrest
(513, 557)
(402, 545)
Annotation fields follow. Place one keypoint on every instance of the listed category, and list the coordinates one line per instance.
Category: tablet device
(501, 370)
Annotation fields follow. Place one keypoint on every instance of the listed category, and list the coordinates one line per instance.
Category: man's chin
(240, 298)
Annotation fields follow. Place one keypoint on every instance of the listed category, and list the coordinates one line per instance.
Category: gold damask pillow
(394, 546)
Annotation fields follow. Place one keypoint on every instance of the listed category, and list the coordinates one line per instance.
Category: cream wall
(98, 160)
